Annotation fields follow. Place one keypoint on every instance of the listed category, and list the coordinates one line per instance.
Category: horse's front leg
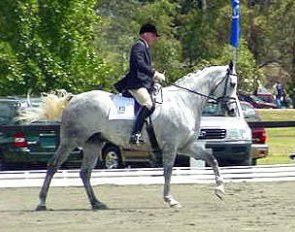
(211, 160)
(197, 150)
(168, 168)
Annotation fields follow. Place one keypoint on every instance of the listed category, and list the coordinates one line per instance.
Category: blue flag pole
(235, 28)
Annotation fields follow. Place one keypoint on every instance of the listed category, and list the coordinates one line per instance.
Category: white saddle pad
(121, 108)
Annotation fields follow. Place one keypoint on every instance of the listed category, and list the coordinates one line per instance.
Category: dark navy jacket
(140, 69)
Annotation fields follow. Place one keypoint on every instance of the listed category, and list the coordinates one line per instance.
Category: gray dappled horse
(176, 122)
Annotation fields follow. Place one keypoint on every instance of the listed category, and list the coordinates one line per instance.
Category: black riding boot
(136, 132)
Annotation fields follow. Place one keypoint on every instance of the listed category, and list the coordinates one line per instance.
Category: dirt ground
(246, 207)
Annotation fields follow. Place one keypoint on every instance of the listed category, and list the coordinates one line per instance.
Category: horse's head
(226, 88)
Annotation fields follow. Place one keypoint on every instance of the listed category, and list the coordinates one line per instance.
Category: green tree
(270, 35)
(201, 29)
(63, 44)
(167, 52)
(119, 29)
(281, 43)
(47, 45)
(248, 73)
(114, 35)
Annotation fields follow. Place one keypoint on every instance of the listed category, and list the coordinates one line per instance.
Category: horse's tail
(51, 107)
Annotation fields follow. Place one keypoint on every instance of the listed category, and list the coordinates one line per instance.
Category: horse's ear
(231, 66)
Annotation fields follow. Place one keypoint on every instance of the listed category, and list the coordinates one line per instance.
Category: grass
(281, 141)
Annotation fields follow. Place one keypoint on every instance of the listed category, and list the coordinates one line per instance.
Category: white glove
(159, 77)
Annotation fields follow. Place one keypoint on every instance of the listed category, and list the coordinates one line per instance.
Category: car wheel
(111, 158)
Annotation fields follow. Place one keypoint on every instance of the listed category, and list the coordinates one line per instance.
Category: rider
(141, 77)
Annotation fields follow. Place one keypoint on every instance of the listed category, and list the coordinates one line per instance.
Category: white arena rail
(144, 176)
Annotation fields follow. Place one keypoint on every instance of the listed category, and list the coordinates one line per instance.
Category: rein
(220, 99)
(192, 91)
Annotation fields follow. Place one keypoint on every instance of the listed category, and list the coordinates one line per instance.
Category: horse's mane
(187, 78)
(197, 74)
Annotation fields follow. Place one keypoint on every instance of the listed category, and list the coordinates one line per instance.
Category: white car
(228, 135)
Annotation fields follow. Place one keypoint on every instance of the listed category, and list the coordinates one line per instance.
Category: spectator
(279, 94)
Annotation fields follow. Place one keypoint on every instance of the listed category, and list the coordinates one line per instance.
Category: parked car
(228, 136)
(264, 94)
(259, 148)
(256, 102)
(267, 96)
(28, 146)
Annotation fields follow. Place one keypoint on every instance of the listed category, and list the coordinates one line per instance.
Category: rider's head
(149, 33)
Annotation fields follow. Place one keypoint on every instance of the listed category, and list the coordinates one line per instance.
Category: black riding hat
(148, 28)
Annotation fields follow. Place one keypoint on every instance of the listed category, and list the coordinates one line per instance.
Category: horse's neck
(201, 87)
(200, 81)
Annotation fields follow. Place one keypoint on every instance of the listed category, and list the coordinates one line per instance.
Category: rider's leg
(136, 131)
(143, 97)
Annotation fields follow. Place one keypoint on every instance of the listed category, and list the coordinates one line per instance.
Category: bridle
(224, 98)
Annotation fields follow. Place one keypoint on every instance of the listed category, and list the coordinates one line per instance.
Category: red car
(259, 148)
(267, 97)
(256, 102)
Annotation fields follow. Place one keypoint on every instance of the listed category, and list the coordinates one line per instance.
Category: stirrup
(135, 139)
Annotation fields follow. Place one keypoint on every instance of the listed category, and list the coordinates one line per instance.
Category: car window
(8, 111)
(32, 103)
(257, 99)
(249, 112)
(9, 108)
(246, 107)
(262, 90)
(212, 108)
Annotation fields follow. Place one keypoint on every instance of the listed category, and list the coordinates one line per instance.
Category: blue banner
(235, 27)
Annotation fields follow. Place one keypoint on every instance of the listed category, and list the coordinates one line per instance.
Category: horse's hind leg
(91, 152)
(57, 160)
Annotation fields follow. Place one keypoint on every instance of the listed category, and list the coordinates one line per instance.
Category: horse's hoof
(41, 208)
(219, 192)
(176, 206)
(99, 206)
(171, 202)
